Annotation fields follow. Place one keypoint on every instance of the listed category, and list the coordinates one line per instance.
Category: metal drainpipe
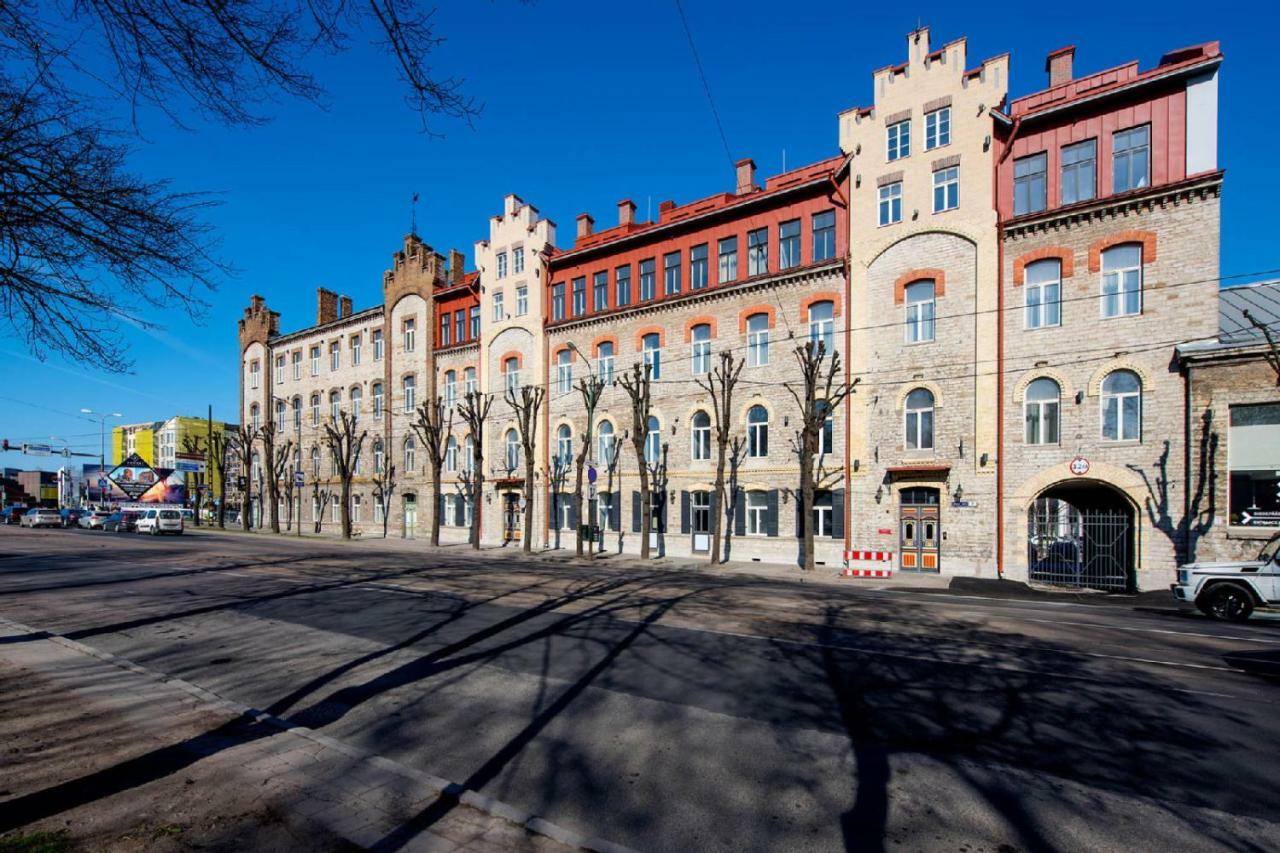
(1000, 413)
(1186, 462)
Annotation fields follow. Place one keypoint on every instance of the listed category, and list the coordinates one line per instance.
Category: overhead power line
(706, 87)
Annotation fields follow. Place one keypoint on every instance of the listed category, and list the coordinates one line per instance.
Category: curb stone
(442, 787)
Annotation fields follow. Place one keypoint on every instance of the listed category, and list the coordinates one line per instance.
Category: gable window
(1043, 285)
(937, 128)
(1131, 159)
(822, 326)
(410, 334)
(919, 420)
(946, 189)
(1030, 187)
(824, 235)
(701, 437)
(580, 296)
(1079, 171)
(789, 244)
(499, 307)
(652, 353)
(1122, 280)
(653, 441)
(517, 259)
(1041, 411)
(728, 253)
(698, 267)
(444, 329)
(758, 340)
(1122, 406)
(920, 311)
(890, 203)
(647, 268)
(522, 300)
(410, 386)
(604, 361)
(502, 264)
(564, 371)
(757, 432)
(377, 400)
(671, 273)
(701, 349)
(600, 290)
(557, 301)
(377, 345)
(622, 286)
(898, 140)
(758, 251)
(335, 355)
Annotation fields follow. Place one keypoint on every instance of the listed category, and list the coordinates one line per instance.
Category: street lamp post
(102, 443)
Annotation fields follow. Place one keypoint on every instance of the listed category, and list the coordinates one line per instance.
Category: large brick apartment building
(1006, 279)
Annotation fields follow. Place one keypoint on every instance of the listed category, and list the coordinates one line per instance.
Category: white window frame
(823, 328)
(1042, 413)
(756, 512)
(1106, 398)
(700, 350)
(921, 329)
(377, 345)
(700, 438)
(315, 360)
(913, 439)
(758, 341)
(757, 434)
(653, 441)
(502, 265)
(517, 260)
(409, 387)
(335, 355)
(499, 307)
(409, 329)
(937, 128)
(898, 140)
(605, 362)
(1034, 313)
(946, 187)
(652, 355)
(1113, 281)
(522, 300)
(890, 203)
(564, 372)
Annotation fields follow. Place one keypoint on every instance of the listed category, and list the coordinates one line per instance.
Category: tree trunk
(646, 498)
(806, 503)
(435, 509)
(346, 508)
(719, 501)
(477, 498)
(527, 545)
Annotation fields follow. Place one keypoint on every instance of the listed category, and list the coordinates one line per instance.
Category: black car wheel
(1228, 602)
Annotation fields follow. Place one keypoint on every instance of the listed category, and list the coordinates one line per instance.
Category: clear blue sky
(585, 104)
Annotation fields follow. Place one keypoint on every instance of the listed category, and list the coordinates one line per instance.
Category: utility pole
(102, 443)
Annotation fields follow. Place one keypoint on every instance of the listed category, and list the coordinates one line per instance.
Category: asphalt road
(685, 710)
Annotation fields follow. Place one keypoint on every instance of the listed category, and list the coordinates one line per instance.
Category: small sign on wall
(885, 531)
(1079, 466)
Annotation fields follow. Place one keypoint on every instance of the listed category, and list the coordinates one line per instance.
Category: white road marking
(1260, 640)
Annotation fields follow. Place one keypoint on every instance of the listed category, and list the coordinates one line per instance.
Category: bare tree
(475, 412)
(219, 461)
(267, 434)
(526, 406)
(1273, 349)
(638, 387)
(719, 384)
(242, 441)
(345, 447)
(194, 445)
(320, 497)
(433, 427)
(282, 473)
(590, 388)
(817, 394)
(384, 485)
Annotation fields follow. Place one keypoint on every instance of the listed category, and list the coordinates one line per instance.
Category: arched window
(469, 454)
(822, 326)
(280, 409)
(920, 311)
(469, 376)
(357, 397)
(335, 405)
(410, 455)
(511, 374)
(315, 410)
(451, 455)
(757, 432)
(1122, 280)
(513, 450)
(653, 441)
(1041, 410)
(701, 352)
(564, 371)
(1043, 293)
(315, 463)
(450, 388)
(564, 445)
(379, 456)
(255, 467)
(608, 444)
(255, 417)
(651, 345)
(377, 400)
(297, 413)
(919, 419)
(758, 340)
(1122, 406)
(701, 435)
(410, 389)
(604, 360)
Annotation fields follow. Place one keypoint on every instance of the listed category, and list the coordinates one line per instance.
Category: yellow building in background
(161, 443)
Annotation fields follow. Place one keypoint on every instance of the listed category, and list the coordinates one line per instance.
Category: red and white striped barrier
(883, 571)
(869, 556)
(866, 573)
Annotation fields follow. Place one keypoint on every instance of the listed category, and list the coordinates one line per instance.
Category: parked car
(13, 514)
(1232, 590)
(157, 521)
(41, 517)
(93, 519)
(71, 516)
(120, 522)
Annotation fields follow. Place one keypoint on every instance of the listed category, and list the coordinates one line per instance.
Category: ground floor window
(822, 519)
(355, 509)
(1253, 459)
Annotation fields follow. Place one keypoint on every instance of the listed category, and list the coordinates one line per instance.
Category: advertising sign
(133, 476)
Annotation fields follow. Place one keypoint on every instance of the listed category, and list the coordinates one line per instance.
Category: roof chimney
(344, 306)
(1059, 65)
(584, 225)
(457, 266)
(326, 306)
(746, 176)
(626, 212)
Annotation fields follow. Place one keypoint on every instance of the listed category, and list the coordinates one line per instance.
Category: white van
(157, 521)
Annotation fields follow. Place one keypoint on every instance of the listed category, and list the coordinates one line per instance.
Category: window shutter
(573, 512)
(553, 517)
(460, 512)
(771, 512)
(660, 504)
(837, 514)
(684, 512)
(615, 512)
(635, 512)
(739, 513)
(444, 519)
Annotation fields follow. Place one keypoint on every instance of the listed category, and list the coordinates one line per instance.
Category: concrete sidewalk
(106, 755)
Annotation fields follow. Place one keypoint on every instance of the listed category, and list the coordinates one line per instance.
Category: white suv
(1232, 590)
(157, 521)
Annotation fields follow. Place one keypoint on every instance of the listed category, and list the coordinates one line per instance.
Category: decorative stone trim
(937, 104)
(502, 360)
(894, 118)
(937, 276)
(1146, 238)
(820, 296)
(1122, 363)
(555, 353)
(751, 311)
(1064, 386)
(604, 339)
(891, 178)
(649, 330)
(946, 162)
(1062, 254)
(700, 320)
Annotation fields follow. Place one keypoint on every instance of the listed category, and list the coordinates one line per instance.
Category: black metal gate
(1083, 548)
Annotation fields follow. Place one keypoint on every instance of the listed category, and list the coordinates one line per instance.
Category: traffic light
(6, 444)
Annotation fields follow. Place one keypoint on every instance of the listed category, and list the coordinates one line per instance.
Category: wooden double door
(920, 530)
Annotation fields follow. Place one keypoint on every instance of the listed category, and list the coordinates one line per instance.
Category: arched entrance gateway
(1080, 533)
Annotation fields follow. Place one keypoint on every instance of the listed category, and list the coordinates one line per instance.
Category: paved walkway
(113, 756)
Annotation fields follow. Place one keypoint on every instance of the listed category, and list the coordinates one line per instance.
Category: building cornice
(1150, 78)
(341, 322)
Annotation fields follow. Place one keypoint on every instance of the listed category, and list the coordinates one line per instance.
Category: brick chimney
(326, 306)
(665, 207)
(1058, 64)
(626, 212)
(344, 306)
(746, 176)
(584, 225)
(457, 266)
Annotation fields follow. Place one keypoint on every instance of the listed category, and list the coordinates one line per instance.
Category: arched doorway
(1081, 534)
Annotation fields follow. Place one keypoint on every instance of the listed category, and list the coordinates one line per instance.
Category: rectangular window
(315, 361)
(622, 284)
(1131, 159)
(1029, 183)
(469, 381)
(600, 290)
(517, 259)
(475, 322)
(459, 326)
(891, 203)
(701, 350)
(410, 335)
(758, 251)
(255, 373)
(444, 329)
(1079, 172)
(920, 311)
(410, 388)
(297, 365)
(502, 264)
(653, 356)
(1043, 286)
(758, 340)
(698, 267)
(946, 189)
(757, 513)
(647, 269)
(580, 296)
(1253, 461)
(377, 345)
(335, 355)
(728, 249)
(280, 370)
(557, 301)
(355, 351)
(522, 300)
(824, 235)
(789, 244)
(499, 307)
(898, 138)
(671, 273)
(937, 128)
(564, 373)
(1122, 280)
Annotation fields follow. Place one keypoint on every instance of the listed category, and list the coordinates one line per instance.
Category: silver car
(39, 517)
(93, 520)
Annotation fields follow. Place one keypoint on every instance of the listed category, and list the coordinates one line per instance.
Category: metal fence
(1082, 548)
